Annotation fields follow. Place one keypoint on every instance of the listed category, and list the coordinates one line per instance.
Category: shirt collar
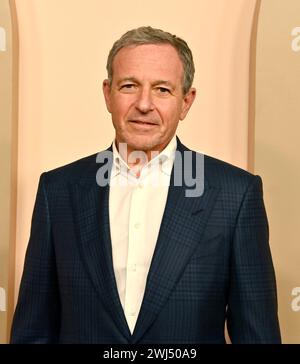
(165, 159)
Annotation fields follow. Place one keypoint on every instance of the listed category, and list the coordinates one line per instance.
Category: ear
(107, 94)
(187, 102)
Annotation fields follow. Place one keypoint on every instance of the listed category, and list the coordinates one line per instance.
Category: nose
(144, 102)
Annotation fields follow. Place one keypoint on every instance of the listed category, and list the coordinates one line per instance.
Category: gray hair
(149, 35)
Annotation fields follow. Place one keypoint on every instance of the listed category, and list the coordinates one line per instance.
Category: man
(132, 261)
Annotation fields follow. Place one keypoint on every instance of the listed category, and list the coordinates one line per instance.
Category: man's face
(145, 98)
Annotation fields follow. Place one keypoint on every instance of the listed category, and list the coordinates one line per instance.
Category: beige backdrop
(277, 155)
(5, 107)
(8, 155)
(63, 49)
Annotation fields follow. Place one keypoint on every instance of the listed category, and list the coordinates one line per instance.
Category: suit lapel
(180, 233)
(91, 215)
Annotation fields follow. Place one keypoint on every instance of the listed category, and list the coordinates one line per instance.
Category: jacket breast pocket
(203, 279)
(210, 246)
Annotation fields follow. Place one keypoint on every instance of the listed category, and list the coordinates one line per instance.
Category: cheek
(118, 111)
(170, 113)
(121, 107)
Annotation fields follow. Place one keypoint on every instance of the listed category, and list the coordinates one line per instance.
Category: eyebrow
(155, 83)
(131, 79)
(163, 82)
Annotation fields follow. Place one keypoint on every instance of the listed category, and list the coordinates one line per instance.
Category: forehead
(153, 60)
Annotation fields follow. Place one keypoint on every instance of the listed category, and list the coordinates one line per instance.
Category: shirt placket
(135, 236)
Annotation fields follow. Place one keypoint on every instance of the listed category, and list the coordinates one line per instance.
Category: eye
(128, 85)
(163, 90)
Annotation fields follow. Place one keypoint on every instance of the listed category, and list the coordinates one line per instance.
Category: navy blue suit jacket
(211, 263)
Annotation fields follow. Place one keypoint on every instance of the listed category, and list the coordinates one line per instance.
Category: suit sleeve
(37, 315)
(252, 301)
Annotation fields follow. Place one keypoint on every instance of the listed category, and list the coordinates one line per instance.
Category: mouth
(142, 122)
(142, 125)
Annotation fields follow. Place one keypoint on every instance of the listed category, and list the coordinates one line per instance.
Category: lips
(142, 122)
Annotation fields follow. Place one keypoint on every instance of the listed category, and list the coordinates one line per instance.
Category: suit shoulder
(72, 171)
(224, 174)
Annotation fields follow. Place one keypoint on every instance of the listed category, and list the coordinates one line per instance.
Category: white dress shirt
(136, 207)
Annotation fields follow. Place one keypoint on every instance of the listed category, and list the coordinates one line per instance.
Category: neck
(138, 158)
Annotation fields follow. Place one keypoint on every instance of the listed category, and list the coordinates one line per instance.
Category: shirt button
(141, 185)
(137, 225)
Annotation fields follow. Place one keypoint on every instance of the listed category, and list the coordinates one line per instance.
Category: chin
(143, 143)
